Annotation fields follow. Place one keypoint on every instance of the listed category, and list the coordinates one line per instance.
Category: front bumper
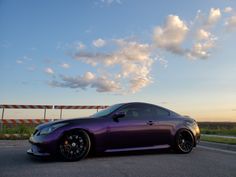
(43, 146)
(35, 152)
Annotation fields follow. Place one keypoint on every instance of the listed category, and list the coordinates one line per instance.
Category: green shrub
(18, 129)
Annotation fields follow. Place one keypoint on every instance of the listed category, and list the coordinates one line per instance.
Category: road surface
(14, 162)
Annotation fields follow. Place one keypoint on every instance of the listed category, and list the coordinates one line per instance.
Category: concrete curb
(228, 147)
(14, 136)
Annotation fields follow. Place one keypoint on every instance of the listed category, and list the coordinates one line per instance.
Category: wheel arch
(185, 129)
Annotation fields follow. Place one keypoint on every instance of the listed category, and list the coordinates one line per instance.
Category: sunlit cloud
(231, 23)
(214, 16)
(49, 71)
(171, 35)
(204, 42)
(99, 43)
(79, 45)
(76, 45)
(202, 34)
(192, 39)
(100, 83)
(65, 65)
(228, 10)
(126, 66)
(131, 60)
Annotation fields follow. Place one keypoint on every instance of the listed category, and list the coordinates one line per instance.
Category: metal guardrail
(61, 107)
(24, 121)
(44, 107)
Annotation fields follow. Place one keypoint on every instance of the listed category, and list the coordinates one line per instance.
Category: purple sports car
(121, 127)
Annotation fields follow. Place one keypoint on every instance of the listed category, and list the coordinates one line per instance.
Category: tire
(184, 141)
(74, 145)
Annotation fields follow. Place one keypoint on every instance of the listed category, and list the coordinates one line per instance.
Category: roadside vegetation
(23, 130)
(209, 128)
(218, 128)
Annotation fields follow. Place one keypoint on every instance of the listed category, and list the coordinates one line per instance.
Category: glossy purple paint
(116, 134)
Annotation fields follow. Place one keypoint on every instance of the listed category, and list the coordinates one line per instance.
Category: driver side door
(131, 131)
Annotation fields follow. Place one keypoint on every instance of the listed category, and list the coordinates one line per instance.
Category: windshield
(106, 111)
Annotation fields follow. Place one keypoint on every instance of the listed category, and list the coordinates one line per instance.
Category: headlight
(50, 129)
(192, 124)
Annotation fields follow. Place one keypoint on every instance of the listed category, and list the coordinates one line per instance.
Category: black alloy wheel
(184, 141)
(75, 145)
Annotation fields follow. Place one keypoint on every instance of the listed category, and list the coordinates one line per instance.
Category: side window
(161, 112)
(131, 111)
(142, 111)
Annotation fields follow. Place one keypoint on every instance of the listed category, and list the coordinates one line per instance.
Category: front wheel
(74, 145)
(184, 141)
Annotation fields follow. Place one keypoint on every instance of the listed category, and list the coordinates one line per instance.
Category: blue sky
(180, 54)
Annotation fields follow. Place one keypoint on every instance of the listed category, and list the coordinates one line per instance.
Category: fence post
(2, 118)
(2, 113)
(45, 111)
(61, 113)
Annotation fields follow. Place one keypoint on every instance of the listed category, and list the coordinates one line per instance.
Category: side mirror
(118, 115)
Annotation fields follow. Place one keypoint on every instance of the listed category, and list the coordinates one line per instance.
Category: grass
(18, 129)
(231, 141)
(211, 128)
(218, 128)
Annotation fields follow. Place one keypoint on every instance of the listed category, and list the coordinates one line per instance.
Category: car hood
(41, 126)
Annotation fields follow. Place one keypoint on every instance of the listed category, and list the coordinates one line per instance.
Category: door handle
(150, 122)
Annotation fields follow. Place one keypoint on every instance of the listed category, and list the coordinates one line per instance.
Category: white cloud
(202, 34)
(231, 23)
(99, 43)
(24, 59)
(194, 41)
(205, 41)
(90, 58)
(201, 49)
(127, 68)
(27, 58)
(49, 71)
(214, 16)
(19, 61)
(76, 45)
(130, 64)
(101, 84)
(79, 46)
(228, 9)
(162, 61)
(111, 1)
(65, 65)
(172, 34)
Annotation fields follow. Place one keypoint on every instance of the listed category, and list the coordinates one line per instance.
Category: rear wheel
(75, 145)
(184, 141)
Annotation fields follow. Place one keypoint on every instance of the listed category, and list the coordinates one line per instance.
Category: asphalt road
(200, 163)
